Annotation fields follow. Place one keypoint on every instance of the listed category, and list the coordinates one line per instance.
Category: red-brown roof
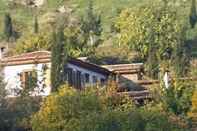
(27, 58)
(45, 57)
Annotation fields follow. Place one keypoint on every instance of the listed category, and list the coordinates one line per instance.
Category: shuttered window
(28, 79)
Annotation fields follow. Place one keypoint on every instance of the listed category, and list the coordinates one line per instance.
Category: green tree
(193, 111)
(91, 26)
(3, 109)
(3, 92)
(57, 59)
(152, 63)
(8, 27)
(36, 25)
(16, 112)
(96, 109)
(182, 62)
(178, 97)
(193, 14)
(33, 42)
(152, 31)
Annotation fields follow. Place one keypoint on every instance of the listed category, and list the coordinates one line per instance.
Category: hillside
(23, 15)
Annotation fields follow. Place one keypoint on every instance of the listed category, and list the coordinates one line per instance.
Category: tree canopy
(153, 31)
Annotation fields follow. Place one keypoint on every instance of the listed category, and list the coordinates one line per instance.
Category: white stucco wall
(91, 73)
(12, 78)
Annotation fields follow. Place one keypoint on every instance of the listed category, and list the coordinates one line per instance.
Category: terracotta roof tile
(27, 58)
(45, 57)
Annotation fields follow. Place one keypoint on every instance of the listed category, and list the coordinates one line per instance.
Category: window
(94, 79)
(28, 79)
(78, 80)
(102, 81)
(87, 78)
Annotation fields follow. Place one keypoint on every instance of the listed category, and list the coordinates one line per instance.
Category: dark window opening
(87, 78)
(94, 79)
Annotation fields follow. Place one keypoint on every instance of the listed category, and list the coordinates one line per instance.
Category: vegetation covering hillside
(162, 34)
(23, 16)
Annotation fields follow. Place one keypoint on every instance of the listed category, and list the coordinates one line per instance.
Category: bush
(113, 54)
(33, 42)
(16, 113)
(177, 98)
(67, 108)
(96, 109)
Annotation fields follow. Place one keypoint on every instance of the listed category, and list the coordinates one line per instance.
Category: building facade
(33, 70)
(22, 70)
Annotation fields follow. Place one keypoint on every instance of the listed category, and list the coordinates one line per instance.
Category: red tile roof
(27, 58)
(45, 57)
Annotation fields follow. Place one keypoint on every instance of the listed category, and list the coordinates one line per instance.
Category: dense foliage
(161, 33)
(178, 98)
(8, 27)
(95, 109)
(193, 14)
(116, 55)
(16, 112)
(58, 59)
(154, 31)
(193, 113)
(34, 42)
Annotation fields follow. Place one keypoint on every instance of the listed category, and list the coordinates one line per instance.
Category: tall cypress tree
(2, 88)
(193, 14)
(181, 59)
(57, 59)
(8, 28)
(91, 25)
(36, 25)
(152, 63)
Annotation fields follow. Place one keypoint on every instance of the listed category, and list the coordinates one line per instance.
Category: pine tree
(193, 14)
(8, 28)
(36, 25)
(57, 59)
(181, 56)
(91, 25)
(152, 63)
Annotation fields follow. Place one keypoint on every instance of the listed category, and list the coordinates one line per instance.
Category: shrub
(16, 113)
(115, 55)
(177, 98)
(193, 113)
(96, 109)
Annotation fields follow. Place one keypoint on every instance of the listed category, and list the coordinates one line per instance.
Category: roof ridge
(123, 64)
(27, 53)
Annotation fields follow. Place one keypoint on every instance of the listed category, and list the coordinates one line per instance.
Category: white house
(19, 70)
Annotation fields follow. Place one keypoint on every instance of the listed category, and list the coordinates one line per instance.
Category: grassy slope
(23, 16)
(107, 8)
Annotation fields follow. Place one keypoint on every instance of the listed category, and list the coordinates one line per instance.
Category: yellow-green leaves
(34, 42)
